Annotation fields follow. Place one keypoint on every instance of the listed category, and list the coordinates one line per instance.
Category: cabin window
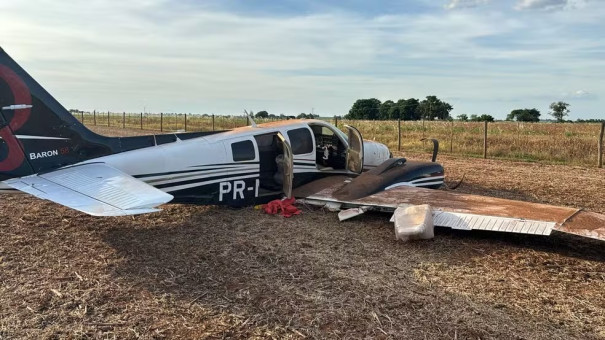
(243, 151)
(300, 141)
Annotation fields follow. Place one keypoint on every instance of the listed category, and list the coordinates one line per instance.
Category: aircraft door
(355, 150)
(287, 167)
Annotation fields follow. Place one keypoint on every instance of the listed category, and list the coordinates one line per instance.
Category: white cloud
(454, 4)
(123, 55)
(549, 4)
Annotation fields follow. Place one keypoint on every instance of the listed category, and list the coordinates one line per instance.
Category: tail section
(39, 134)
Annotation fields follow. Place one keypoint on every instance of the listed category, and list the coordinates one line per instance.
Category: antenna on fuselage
(249, 116)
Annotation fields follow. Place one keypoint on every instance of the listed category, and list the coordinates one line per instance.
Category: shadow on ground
(321, 278)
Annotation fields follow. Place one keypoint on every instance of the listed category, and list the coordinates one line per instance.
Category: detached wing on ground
(96, 189)
(464, 211)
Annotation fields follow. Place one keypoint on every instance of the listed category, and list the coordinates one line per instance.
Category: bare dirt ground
(210, 272)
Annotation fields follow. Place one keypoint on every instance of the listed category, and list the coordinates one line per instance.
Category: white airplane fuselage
(206, 170)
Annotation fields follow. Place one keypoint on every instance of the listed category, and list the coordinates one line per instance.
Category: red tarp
(286, 207)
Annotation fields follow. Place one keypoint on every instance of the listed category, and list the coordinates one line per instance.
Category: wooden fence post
(423, 134)
(141, 120)
(108, 124)
(94, 116)
(185, 122)
(452, 138)
(82, 114)
(213, 122)
(161, 121)
(485, 139)
(601, 144)
(399, 134)
(123, 119)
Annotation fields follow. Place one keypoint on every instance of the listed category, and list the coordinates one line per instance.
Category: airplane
(46, 152)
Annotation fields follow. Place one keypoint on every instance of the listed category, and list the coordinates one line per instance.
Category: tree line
(433, 108)
(430, 108)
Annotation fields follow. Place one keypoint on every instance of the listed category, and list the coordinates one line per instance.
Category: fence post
(108, 124)
(94, 116)
(82, 114)
(185, 122)
(399, 134)
(601, 144)
(423, 134)
(213, 122)
(123, 119)
(141, 120)
(452, 139)
(485, 139)
(161, 121)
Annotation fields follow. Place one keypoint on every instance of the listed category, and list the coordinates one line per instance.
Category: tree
(262, 114)
(482, 118)
(364, 109)
(433, 108)
(524, 115)
(409, 109)
(462, 117)
(559, 110)
(307, 116)
(395, 112)
(384, 111)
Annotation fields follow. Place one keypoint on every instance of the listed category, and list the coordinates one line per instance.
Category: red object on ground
(286, 207)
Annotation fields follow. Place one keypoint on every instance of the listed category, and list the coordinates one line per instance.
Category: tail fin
(37, 132)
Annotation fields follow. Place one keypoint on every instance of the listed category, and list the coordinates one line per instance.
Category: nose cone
(374, 153)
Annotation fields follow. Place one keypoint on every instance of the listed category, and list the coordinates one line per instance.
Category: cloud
(549, 4)
(189, 57)
(579, 95)
(455, 4)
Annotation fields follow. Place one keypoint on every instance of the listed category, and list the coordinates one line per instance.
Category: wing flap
(96, 189)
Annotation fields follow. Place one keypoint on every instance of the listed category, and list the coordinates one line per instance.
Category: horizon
(481, 56)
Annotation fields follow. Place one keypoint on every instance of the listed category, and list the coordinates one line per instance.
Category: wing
(95, 188)
(464, 211)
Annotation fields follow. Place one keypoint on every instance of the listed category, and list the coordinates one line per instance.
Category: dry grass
(569, 143)
(209, 272)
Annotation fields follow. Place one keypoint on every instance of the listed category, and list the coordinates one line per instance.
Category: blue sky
(482, 56)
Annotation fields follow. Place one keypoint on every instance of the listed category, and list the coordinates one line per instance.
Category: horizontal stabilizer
(96, 189)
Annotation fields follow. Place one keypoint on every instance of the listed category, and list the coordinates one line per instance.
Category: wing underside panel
(96, 189)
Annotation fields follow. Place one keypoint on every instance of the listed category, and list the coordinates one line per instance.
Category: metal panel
(467, 212)
(96, 189)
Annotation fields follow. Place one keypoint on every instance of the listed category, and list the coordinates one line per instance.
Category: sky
(224, 56)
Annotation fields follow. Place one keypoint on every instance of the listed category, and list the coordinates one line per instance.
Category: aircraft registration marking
(236, 189)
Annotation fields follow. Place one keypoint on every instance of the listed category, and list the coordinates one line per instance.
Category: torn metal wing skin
(465, 211)
(94, 188)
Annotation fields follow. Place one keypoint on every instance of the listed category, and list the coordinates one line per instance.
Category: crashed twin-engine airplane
(48, 153)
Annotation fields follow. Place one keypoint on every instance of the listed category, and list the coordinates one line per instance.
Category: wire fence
(566, 143)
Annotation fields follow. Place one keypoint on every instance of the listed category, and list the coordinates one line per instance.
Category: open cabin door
(287, 167)
(355, 150)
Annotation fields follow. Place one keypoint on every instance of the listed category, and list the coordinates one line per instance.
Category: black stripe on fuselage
(215, 167)
(205, 179)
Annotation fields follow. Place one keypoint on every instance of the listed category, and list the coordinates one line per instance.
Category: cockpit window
(300, 141)
(243, 151)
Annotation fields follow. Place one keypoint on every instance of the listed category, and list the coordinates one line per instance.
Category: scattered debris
(414, 223)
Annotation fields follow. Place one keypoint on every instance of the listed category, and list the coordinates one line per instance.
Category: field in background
(565, 143)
